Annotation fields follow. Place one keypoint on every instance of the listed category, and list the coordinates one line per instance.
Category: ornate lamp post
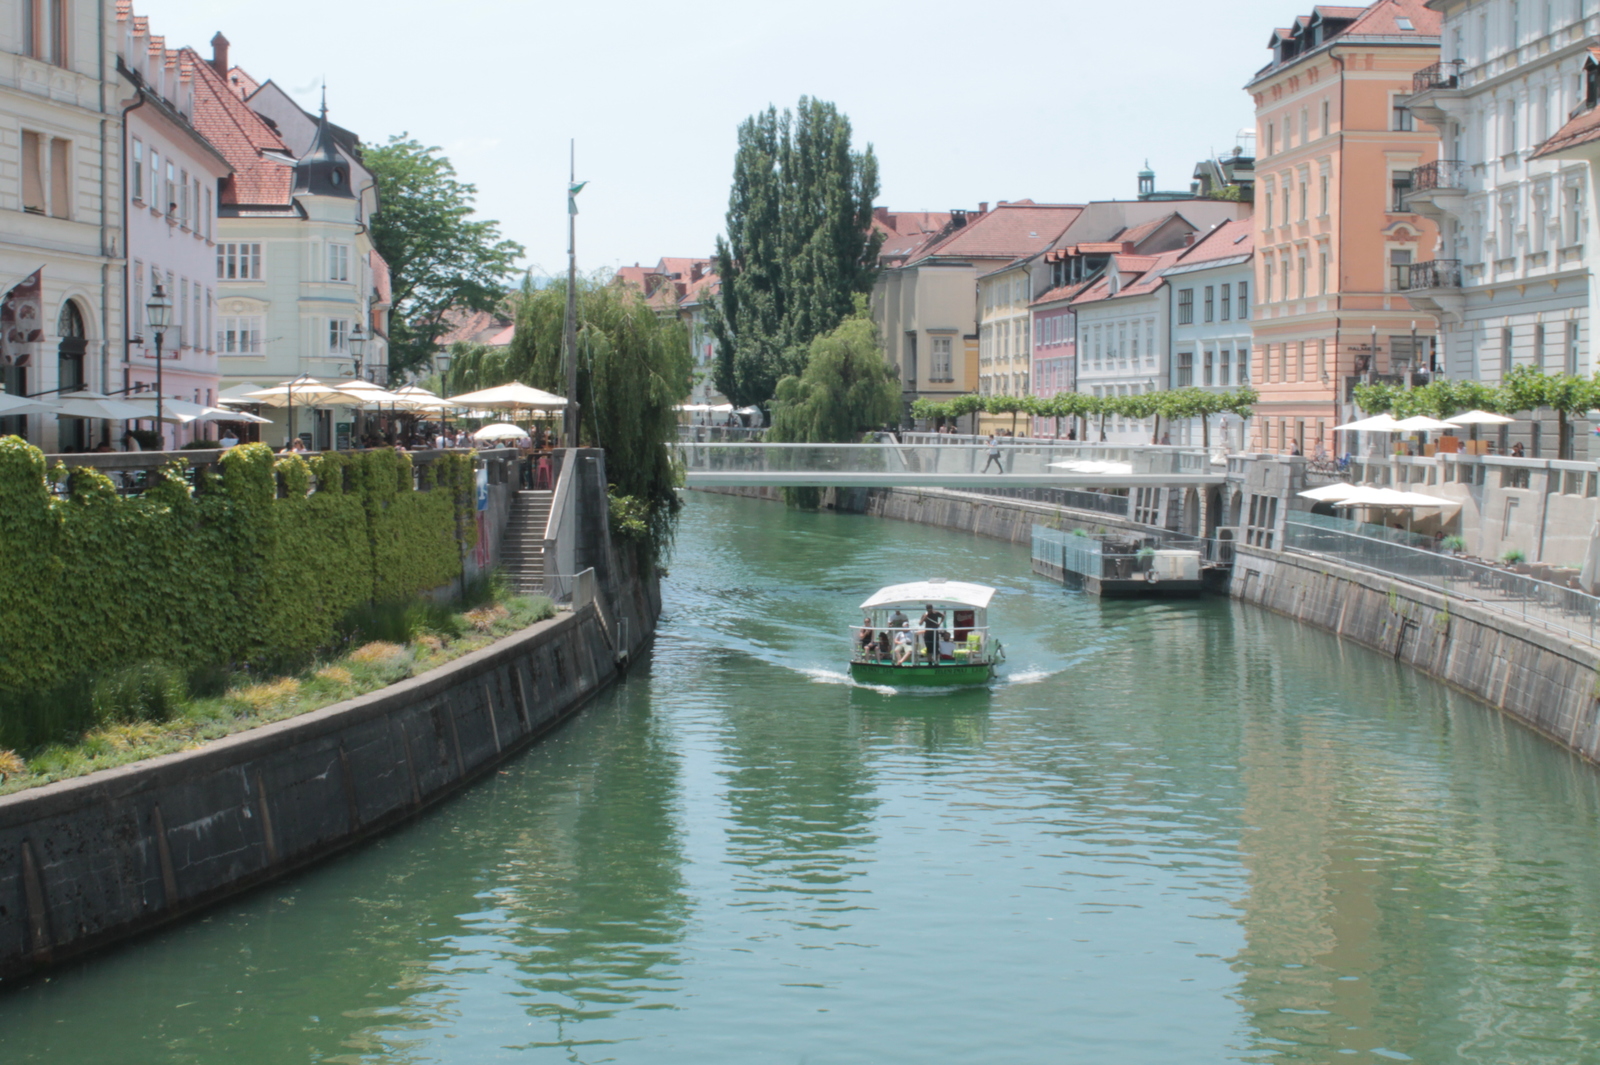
(358, 344)
(158, 312)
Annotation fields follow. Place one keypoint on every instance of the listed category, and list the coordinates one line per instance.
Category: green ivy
(237, 572)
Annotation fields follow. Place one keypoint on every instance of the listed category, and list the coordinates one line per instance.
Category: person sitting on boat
(867, 636)
(904, 646)
(932, 620)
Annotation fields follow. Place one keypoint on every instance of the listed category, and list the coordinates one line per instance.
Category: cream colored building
(926, 305)
(60, 215)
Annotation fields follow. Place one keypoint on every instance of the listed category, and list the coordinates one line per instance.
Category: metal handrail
(1439, 174)
(1436, 273)
(1435, 77)
(1551, 606)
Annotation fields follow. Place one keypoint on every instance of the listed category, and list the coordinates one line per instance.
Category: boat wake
(831, 676)
(1029, 676)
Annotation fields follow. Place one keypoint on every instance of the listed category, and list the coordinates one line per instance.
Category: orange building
(1335, 151)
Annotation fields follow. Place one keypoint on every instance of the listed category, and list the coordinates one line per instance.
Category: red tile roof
(476, 327)
(1010, 231)
(242, 84)
(907, 232)
(1139, 274)
(242, 138)
(1231, 238)
(1580, 129)
(1382, 19)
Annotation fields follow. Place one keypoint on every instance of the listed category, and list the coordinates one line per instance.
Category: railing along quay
(1568, 611)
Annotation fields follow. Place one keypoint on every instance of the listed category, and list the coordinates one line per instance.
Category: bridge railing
(933, 460)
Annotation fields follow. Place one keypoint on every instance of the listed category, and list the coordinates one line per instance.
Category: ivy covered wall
(230, 573)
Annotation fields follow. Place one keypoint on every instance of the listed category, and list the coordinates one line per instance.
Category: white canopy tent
(938, 592)
(1479, 417)
(515, 396)
(11, 406)
(1378, 423)
(1421, 423)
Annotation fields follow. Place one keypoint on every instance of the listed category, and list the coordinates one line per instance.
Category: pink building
(172, 175)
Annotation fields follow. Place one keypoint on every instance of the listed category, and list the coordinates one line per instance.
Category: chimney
(219, 54)
(983, 208)
(696, 272)
(1188, 239)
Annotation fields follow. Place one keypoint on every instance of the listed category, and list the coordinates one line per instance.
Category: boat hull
(941, 676)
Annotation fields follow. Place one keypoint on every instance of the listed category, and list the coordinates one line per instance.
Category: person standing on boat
(931, 621)
(994, 456)
(898, 619)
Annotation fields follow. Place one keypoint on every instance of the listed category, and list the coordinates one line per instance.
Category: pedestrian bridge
(893, 465)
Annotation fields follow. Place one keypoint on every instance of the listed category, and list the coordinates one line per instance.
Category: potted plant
(1514, 559)
(1454, 544)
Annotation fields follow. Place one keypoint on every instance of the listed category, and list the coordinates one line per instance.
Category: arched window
(70, 322)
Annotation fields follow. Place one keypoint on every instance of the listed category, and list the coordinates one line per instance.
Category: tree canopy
(847, 387)
(440, 256)
(799, 245)
(633, 370)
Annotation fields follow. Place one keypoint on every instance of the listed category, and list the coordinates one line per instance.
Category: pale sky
(1056, 102)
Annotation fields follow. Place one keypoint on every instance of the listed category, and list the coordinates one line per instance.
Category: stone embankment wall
(1532, 674)
(89, 861)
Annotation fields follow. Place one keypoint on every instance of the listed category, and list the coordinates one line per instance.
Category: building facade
(1211, 291)
(1336, 239)
(296, 272)
(1509, 281)
(926, 304)
(61, 244)
(1124, 322)
(170, 188)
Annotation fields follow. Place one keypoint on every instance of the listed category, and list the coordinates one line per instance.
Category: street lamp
(158, 312)
(358, 341)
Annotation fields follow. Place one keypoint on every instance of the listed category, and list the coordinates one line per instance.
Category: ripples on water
(1172, 833)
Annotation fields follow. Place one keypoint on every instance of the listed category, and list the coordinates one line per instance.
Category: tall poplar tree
(799, 248)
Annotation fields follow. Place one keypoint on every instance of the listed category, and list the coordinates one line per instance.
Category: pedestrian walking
(994, 456)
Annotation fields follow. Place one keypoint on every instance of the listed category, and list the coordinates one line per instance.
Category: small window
(1185, 369)
(239, 262)
(942, 369)
(1404, 23)
(137, 175)
(338, 262)
(32, 172)
(1401, 118)
(338, 335)
(1244, 300)
(1186, 306)
(1210, 303)
(1399, 187)
(1227, 302)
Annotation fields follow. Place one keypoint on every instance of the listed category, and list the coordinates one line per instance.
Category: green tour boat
(932, 633)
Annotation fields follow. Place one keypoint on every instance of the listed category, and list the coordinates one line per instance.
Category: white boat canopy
(938, 592)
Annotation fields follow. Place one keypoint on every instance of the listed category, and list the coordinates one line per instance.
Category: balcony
(1433, 88)
(1437, 188)
(1442, 75)
(1432, 286)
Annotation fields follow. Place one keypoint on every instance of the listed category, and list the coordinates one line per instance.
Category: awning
(937, 592)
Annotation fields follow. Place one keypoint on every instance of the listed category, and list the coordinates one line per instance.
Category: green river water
(1172, 833)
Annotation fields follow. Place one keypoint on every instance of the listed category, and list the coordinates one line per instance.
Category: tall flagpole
(571, 421)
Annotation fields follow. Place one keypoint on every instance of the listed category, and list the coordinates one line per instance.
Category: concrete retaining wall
(89, 861)
(1538, 678)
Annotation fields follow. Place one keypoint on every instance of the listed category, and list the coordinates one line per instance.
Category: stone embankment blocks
(87, 861)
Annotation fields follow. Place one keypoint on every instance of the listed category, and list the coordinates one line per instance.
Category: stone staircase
(522, 553)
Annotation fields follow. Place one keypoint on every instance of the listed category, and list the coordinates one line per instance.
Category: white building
(1123, 326)
(1210, 288)
(170, 186)
(295, 267)
(61, 234)
(1510, 280)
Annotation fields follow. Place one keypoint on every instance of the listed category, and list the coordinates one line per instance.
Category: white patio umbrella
(1480, 417)
(1378, 423)
(173, 410)
(14, 405)
(515, 396)
(500, 431)
(305, 390)
(1330, 493)
(1368, 496)
(1423, 423)
(98, 406)
(223, 414)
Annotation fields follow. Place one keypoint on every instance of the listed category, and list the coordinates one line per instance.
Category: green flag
(572, 196)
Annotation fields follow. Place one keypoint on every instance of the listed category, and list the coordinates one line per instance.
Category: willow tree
(633, 368)
(848, 387)
(799, 247)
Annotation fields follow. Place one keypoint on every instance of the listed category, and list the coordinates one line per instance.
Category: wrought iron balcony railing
(1441, 75)
(1441, 174)
(1439, 273)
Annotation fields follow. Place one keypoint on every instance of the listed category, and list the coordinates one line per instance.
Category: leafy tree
(1012, 405)
(475, 366)
(847, 388)
(633, 369)
(440, 257)
(799, 247)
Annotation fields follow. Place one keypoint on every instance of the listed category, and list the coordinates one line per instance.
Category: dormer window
(337, 177)
(1591, 83)
(1404, 23)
